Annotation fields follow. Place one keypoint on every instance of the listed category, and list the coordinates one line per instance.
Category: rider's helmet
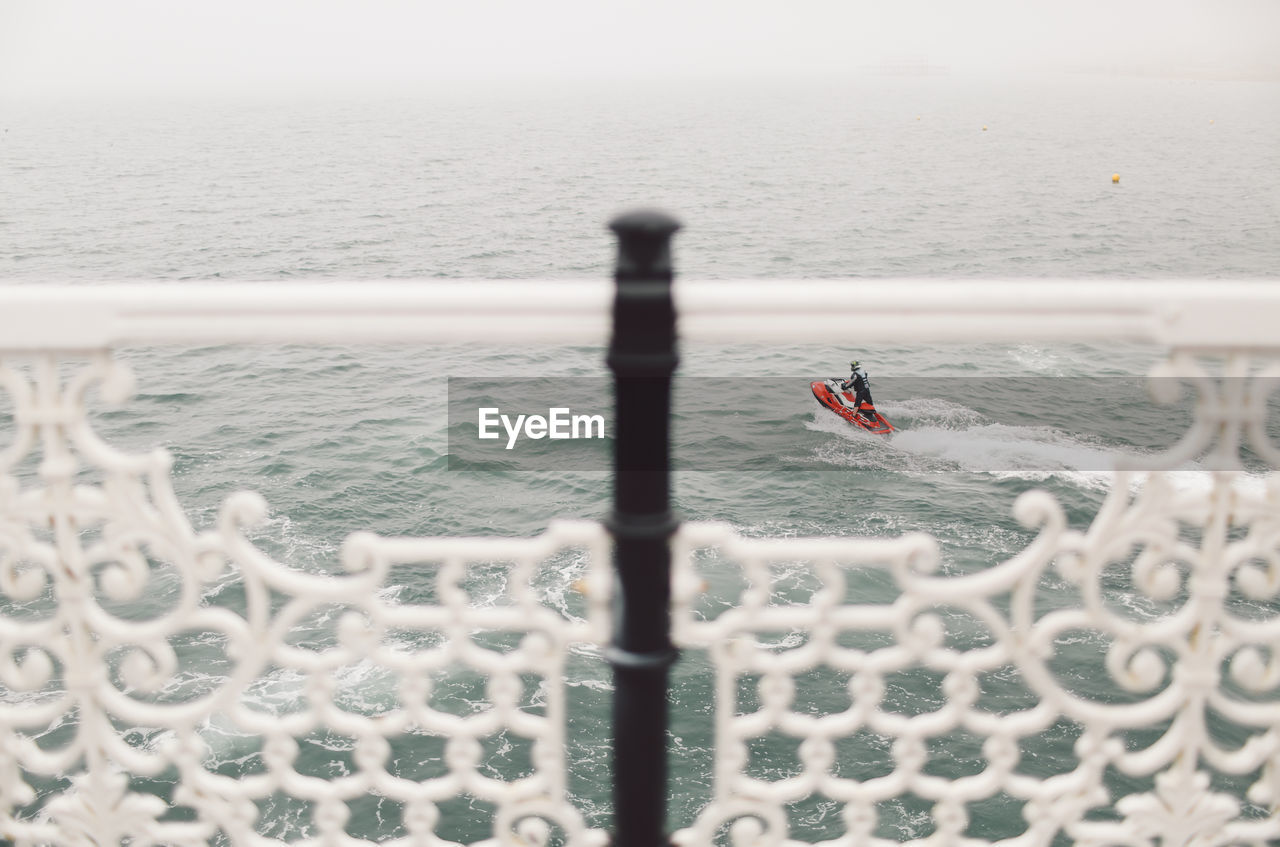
(853, 364)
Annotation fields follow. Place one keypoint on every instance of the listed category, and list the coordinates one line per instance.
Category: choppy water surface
(892, 178)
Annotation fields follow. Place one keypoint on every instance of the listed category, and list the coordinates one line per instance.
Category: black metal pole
(642, 356)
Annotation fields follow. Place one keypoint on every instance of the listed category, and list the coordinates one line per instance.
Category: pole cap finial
(651, 223)
(644, 244)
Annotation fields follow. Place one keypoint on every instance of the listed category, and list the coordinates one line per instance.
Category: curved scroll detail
(1140, 656)
(1230, 412)
(1166, 723)
(1184, 682)
(118, 660)
(121, 660)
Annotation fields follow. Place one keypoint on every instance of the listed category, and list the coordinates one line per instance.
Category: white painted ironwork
(1191, 646)
(91, 318)
(140, 695)
(1226, 315)
(1180, 314)
(1194, 674)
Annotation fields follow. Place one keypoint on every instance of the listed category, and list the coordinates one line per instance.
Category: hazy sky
(144, 46)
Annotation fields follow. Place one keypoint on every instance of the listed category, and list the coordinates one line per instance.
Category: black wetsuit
(860, 384)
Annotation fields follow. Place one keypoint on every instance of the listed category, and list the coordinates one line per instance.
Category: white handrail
(1199, 314)
(1189, 314)
(97, 317)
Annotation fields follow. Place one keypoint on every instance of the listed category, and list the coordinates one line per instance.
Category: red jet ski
(828, 393)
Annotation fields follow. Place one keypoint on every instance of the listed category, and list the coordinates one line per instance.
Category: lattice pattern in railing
(1119, 685)
(108, 716)
(130, 645)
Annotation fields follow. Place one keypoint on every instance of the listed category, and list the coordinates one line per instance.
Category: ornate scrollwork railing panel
(130, 646)
(1171, 736)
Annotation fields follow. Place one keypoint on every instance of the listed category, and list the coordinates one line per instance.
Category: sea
(862, 179)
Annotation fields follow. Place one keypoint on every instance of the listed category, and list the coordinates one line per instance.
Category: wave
(937, 435)
(1004, 448)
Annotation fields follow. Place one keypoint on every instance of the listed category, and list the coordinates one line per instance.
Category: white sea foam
(1003, 448)
(939, 435)
(933, 410)
(1039, 360)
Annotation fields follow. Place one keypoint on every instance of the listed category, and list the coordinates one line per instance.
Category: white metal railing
(1181, 314)
(75, 553)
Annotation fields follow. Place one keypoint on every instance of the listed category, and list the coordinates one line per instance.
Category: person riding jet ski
(860, 384)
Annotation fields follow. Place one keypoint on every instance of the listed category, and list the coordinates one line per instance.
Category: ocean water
(881, 178)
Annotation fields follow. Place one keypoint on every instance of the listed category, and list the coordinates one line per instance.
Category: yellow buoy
(1115, 177)
(918, 118)
(984, 127)
(1210, 120)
